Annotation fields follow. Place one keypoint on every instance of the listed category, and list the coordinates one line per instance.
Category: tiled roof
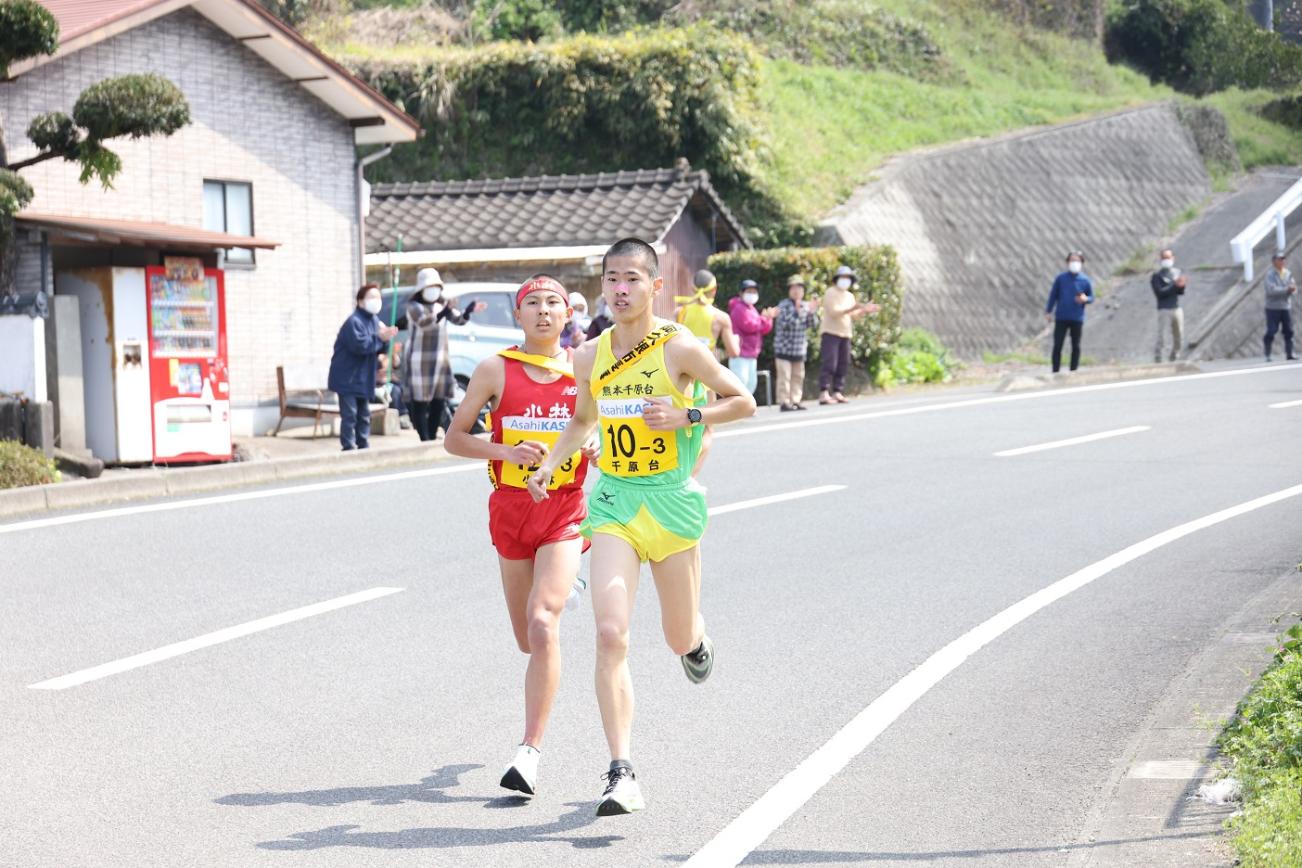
(76, 17)
(545, 211)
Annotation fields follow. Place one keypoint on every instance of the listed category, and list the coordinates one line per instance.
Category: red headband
(541, 284)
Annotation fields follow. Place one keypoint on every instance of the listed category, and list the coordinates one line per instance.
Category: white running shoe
(522, 774)
(575, 598)
(622, 795)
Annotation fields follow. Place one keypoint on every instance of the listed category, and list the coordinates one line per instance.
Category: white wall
(22, 356)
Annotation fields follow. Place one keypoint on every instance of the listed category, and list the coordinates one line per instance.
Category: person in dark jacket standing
(1168, 285)
(427, 376)
(353, 366)
(791, 343)
(1071, 291)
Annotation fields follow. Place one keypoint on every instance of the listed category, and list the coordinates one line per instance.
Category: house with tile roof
(507, 229)
(264, 183)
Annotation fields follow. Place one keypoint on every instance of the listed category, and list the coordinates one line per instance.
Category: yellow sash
(651, 341)
(556, 366)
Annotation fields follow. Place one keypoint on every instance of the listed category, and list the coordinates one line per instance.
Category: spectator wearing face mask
(428, 371)
(353, 365)
(840, 310)
(600, 321)
(1168, 285)
(576, 330)
(1071, 291)
(1280, 287)
(750, 326)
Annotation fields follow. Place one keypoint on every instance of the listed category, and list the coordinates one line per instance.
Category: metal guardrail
(1241, 245)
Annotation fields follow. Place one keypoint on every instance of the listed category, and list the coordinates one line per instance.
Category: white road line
(167, 506)
(775, 498)
(1284, 404)
(837, 419)
(1072, 441)
(178, 648)
(750, 829)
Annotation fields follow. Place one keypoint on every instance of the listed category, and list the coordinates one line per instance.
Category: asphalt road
(374, 734)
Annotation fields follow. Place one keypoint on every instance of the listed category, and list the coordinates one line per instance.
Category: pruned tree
(134, 106)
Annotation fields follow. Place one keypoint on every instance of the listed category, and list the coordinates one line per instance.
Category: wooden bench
(303, 395)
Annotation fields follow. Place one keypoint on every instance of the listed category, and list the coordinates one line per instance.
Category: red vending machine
(189, 380)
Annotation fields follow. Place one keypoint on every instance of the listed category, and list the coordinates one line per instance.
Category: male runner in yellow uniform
(641, 382)
(712, 327)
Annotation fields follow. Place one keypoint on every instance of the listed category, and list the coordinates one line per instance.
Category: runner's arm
(577, 432)
(727, 337)
(485, 385)
(694, 360)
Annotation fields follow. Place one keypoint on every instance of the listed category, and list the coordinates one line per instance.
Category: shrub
(1200, 46)
(918, 357)
(21, 465)
(581, 104)
(1287, 111)
(879, 279)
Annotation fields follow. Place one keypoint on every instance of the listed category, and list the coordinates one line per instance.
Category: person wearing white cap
(576, 329)
(428, 371)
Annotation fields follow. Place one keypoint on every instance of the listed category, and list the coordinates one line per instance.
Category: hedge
(581, 104)
(878, 271)
(22, 465)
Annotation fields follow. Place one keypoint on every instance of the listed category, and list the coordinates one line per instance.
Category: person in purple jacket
(750, 326)
(1071, 291)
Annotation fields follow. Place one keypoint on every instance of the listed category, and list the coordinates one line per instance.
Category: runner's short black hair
(634, 247)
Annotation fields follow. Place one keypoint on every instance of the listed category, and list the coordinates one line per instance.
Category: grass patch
(22, 465)
(1260, 142)
(990, 358)
(828, 129)
(1265, 743)
(1187, 215)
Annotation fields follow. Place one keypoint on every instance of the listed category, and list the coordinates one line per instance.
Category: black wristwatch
(693, 416)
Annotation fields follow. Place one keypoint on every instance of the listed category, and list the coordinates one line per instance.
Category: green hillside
(790, 105)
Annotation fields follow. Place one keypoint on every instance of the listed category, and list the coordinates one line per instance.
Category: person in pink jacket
(750, 325)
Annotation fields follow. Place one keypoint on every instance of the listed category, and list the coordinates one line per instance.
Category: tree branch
(32, 161)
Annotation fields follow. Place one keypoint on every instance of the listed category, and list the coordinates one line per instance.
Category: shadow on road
(429, 790)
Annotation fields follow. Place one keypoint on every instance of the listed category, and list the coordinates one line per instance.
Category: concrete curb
(1148, 814)
(164, 482)
(1094, 376)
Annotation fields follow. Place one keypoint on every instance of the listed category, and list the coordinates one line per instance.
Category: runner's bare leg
(615, 569)
(678, 584)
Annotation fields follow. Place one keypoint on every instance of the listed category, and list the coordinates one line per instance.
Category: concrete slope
(982, 228)
(1123, 326)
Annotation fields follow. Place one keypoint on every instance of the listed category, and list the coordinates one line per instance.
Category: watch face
(694, 415)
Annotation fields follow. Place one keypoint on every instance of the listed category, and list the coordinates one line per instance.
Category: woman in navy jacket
(352, 367)
(1071, 291)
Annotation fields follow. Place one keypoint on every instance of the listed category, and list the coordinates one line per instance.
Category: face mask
(750, 297)
(372, 306)
(582, 320)
(1167, 263)
(430, 294)
(1073, 267)
(844, 282)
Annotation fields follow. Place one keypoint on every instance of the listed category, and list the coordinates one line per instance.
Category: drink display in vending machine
(189, 379)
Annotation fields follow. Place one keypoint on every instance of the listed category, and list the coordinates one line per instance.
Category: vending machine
(154, 362)
(189, 380)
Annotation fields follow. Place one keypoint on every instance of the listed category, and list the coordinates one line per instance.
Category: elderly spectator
(576, 330)
(840, 310)
(750, 326)
(601, 321)
(427, 375)
(791, 343)
(1280, 287)
(1168, 285)
(353, 366)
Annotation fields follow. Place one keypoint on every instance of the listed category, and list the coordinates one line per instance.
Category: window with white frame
(228, 207)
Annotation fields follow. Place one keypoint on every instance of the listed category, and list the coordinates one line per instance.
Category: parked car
(488, 331)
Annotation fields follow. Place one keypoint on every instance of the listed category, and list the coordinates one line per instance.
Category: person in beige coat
(840, 310)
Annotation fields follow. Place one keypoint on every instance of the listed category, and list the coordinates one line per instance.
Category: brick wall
(250, 123)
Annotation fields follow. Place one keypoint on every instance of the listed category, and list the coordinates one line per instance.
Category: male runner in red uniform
(532, 393)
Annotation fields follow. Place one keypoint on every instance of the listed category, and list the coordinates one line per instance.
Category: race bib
(628, 446)
(516, 430)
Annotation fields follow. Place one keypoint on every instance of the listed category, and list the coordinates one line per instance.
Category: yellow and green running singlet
(646, 494)
(699, 320)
